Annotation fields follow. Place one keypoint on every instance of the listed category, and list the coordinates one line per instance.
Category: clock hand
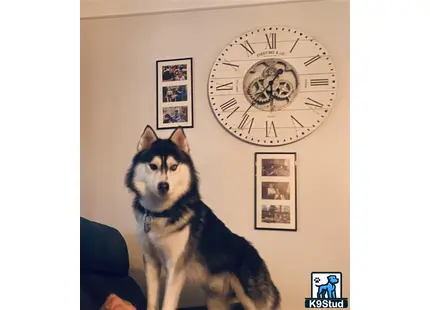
(271, 98)
(280, 71)
(250, 106)
(270, 84)
(264, 89)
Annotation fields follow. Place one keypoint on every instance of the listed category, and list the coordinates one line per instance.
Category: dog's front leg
(152, 273)
(174, 284)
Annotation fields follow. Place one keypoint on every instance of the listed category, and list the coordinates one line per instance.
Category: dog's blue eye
(153, 167)
(173, 167)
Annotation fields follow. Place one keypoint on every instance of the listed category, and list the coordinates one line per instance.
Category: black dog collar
(145, 211)
(149, 215)
(171, 213)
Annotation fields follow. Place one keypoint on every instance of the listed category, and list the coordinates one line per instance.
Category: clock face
(272, 86)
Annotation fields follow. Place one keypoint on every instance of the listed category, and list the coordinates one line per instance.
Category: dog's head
(162, 171)
(332, 279)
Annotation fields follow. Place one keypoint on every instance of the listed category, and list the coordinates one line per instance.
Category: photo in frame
(275, 191)
(175, 93)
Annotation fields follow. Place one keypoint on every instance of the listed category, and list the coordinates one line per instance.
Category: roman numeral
(271, 40)
(246, 119)
(313, 103)
(227, 63)
(226, 86)
(312, 60)
(294, 45)
(269, 128)
(248, 48)
(237, 108)
(295, 120)
(319, 82)
(228, 104)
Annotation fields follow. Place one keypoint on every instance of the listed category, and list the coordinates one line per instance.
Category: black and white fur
(185, 239)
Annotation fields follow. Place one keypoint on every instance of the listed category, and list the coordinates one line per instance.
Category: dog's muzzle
(163, 188)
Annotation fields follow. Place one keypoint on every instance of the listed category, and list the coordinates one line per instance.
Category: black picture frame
(263, 203)
(174, 93)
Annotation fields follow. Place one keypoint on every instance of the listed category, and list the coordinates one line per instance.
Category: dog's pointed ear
(147, 138)
(178, 137)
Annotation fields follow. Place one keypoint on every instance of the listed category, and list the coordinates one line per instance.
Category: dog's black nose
(163, 188)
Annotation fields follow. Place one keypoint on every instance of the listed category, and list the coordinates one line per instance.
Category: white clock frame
(311, 100)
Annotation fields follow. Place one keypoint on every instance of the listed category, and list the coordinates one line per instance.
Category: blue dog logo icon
(328, 290)
(326, 293)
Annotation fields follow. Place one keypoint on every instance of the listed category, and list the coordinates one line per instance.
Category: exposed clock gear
(282, 90)
(259, 90)
(269, 71)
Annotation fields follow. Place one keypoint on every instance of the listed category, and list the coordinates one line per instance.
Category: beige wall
(93, 8)
(118, 99)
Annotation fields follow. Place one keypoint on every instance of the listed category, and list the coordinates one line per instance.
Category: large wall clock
(272, 86)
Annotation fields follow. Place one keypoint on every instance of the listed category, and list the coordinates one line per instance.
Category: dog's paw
(317, 280)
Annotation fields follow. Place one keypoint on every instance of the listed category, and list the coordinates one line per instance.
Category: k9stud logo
(326, 291)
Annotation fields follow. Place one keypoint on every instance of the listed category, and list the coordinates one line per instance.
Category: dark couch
(105, 267)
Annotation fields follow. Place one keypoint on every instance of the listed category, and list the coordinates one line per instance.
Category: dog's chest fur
(163, 246)
(167, 248)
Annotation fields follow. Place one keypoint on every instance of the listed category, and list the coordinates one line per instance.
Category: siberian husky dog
(183, 239)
